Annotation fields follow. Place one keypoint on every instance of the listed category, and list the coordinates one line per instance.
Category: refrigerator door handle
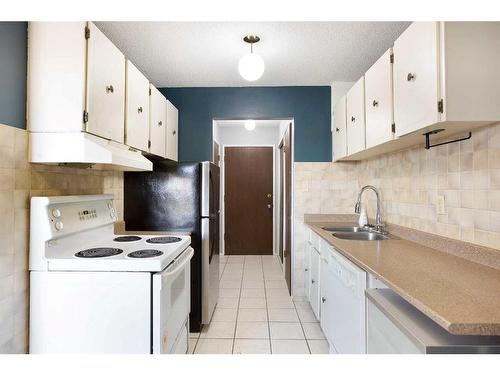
(205, 189)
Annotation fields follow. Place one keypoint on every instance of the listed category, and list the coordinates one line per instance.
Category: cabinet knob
(375, 103)
(139, 109)
(337, 130)
(410, 77)
(306, 269)
(323, 299)
(312, 281)
(160, 123)
(110, 89)
(353, 118)
(174, 132)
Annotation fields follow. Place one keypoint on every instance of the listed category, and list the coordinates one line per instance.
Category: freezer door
(210, 270)
(171, 303)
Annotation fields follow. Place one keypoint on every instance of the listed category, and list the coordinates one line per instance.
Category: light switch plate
(440, 205)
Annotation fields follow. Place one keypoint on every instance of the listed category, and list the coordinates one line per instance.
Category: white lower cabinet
(314, 280)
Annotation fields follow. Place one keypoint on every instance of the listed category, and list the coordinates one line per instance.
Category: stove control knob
(59, 225)
(56, 213)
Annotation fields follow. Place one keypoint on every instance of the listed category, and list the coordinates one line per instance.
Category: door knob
(269, 206)
(337, 130)
(160, 123)
(323, 299)
(375, 103)
(174, 132)
(410, 77)
(110, 89)
(269, 195)
(353, 118)
(139, 109)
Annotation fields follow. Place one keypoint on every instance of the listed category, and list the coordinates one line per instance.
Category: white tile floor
(255, 314)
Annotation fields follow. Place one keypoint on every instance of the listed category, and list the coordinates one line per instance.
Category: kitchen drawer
(375, 283)
(314, 239)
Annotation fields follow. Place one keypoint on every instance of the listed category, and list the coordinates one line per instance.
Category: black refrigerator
(182, 197)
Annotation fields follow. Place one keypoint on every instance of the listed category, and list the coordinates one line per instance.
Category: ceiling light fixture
(251, 65)
(249, 124)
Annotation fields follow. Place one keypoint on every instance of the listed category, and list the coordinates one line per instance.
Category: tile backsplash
(19, 180)
(467, 174)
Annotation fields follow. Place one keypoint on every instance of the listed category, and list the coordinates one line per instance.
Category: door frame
(223, 192)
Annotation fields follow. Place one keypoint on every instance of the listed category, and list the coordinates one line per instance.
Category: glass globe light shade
(251, 67)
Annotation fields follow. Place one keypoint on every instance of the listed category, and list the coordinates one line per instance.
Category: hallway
(255, 314)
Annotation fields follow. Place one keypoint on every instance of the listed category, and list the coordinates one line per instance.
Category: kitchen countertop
(461, 296)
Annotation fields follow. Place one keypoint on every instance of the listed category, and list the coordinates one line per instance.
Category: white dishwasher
(347, 291)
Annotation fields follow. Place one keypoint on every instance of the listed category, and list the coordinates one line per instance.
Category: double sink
(357, 233)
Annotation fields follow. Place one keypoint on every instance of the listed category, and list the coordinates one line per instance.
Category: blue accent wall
(309, 106)
(13, 73)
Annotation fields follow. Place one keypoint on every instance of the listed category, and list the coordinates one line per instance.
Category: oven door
(171, 303)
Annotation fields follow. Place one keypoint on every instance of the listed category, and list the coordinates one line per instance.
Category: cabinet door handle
(375, 103)
(110, 89)
(337, 130)
(139, 110)
(353, 118)
(160, 123)
(410, 77)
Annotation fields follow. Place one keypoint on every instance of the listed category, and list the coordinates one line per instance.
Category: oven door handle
(177, 267)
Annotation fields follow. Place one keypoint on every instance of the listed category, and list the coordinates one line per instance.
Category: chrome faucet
(379, 227)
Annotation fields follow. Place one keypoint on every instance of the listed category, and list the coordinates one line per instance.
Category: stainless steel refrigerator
(182, 197)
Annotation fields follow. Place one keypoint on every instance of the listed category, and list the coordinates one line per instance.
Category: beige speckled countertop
(461, 296)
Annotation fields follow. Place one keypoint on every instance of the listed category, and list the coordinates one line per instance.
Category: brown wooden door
(248, 207)
(287, 172)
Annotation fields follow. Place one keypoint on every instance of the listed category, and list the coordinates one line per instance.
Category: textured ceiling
(184, 54)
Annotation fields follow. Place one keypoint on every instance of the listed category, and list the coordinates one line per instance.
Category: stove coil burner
(98, 252)
(163, 240)
(127, 238)
(147, 253)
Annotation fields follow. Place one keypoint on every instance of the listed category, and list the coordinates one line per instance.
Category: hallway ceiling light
(249, 124)
(251, 65)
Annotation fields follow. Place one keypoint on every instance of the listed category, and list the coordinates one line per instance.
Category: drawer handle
(139, 109)
(160, 123)
(353, 118)
(410, 77)
(375, 103)
(110, 89)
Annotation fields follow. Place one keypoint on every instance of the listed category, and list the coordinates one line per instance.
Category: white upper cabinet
(379, 102)
(157, 122)
(416, 77)
(137, 109)
(172, 132)
(356, 118)
(446, 75)
(105, 87)
(339, 130)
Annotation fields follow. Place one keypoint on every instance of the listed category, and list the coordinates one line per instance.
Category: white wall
(238, 135)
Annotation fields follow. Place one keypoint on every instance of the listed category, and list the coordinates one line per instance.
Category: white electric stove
(92, 291)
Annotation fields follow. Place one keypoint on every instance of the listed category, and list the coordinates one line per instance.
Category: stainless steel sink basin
(344, 229)
(361, 236)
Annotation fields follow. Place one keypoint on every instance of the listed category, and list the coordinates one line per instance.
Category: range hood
(83, 149)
